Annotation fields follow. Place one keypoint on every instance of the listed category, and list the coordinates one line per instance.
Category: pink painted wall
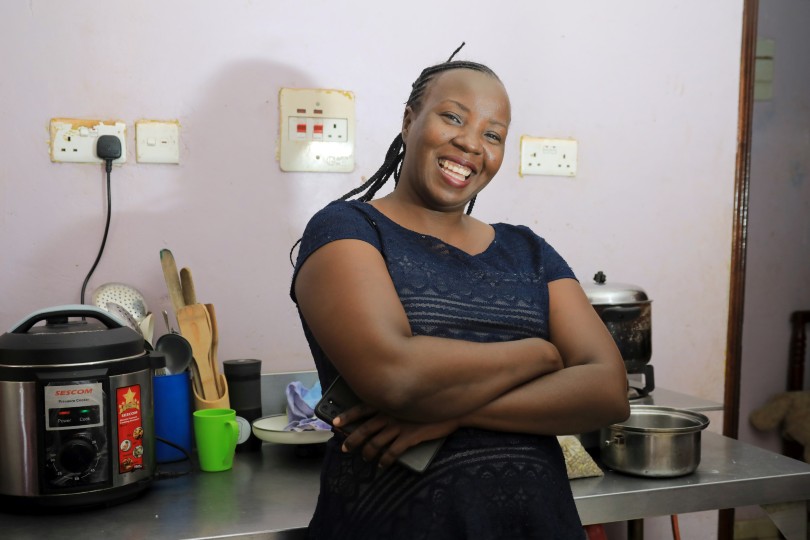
(648, 89)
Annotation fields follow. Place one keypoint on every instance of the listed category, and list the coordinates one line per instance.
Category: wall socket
(316, 130)
(73, 140)
(551, 157)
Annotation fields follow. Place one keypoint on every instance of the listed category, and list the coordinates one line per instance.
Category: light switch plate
(157, 141)
(73, 140)
(316, 132)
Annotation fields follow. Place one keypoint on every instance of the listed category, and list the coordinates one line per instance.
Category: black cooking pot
(626, 311)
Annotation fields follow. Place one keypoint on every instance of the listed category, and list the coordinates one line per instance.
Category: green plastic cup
(216, 433)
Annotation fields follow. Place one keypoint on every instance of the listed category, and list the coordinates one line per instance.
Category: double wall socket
(317, 130)
(74, 140)
(552, 157)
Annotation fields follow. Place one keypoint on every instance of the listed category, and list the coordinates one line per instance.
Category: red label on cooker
(130, 428)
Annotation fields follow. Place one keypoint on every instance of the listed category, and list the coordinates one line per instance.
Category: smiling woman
(445, 326)
(458, 131)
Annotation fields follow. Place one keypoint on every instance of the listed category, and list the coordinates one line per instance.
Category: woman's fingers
(380, 437)
(410, 434)
(377, 445)
(373, 439)
(362, 429)
(350, 416)
(393, 450)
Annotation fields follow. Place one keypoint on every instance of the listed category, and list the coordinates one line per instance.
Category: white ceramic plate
(271, 429)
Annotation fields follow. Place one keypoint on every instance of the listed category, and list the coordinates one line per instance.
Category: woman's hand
(381, 437)
(589, 393)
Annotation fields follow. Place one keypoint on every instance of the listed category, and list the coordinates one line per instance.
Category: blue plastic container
(173, 410)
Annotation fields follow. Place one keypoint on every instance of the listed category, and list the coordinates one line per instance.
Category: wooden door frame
(739, 242)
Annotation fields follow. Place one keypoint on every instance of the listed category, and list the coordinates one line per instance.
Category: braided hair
(396, 152)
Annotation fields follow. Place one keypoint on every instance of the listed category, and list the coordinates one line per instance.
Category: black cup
(245, 393)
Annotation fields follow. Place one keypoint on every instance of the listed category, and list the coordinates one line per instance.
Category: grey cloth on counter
(482, 484)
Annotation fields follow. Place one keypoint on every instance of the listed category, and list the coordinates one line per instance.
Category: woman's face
(455, 141)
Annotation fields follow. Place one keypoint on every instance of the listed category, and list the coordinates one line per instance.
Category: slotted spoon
(125, 296)
(124, 316)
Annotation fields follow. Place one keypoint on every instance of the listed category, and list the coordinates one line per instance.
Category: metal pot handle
(68, 310)
(620, 313)
(616, 440)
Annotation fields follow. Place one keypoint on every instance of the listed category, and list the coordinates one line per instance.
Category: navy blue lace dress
(483, 484)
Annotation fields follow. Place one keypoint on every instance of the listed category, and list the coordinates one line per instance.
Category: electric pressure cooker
(77, 423)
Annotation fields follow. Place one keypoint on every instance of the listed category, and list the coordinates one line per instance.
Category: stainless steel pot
(76, 408)
(654, 441)
(625, 309)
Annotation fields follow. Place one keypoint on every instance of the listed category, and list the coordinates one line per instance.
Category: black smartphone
(340, 397)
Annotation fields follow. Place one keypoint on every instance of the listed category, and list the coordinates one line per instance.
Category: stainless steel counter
(268, 491)
(271, 494)
(731, 474)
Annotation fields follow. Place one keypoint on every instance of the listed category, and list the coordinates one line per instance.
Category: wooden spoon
(195, 378)
(214, 344)
(190, 297)
(187, 284)
(172, 279)
(195, 326)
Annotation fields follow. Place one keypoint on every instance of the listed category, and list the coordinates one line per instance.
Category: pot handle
(68, 310)
(157, 361)
(620, 313)
(616, 440)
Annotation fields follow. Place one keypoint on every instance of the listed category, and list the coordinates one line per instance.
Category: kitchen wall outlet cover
(157, 141)
(73, 140)
(545, 156)
(316, 132)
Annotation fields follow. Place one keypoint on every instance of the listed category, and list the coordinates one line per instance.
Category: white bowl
(271, 429)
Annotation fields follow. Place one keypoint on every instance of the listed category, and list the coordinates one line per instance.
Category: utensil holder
(172, 399)
(222, 402)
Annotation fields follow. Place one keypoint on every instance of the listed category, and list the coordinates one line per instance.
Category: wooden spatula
(172, 279)
(190, 298)
(187, 283)
(195, 326)
(212, 316)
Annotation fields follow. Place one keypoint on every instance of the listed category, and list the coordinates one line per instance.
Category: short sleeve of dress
(339, 220)
(556, 267)
(523, 250)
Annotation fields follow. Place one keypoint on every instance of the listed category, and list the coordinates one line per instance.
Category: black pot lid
(600, 292)
(72, 334)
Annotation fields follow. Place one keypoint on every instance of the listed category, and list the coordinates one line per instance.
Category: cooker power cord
(108, 148)
(162, 475)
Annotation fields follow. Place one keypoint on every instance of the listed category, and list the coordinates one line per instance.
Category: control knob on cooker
(77, 455)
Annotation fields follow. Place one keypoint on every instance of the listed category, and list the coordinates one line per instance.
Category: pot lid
(659, 419)
(68, 337)
(602, 293)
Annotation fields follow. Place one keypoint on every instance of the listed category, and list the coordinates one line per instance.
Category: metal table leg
(635, 529)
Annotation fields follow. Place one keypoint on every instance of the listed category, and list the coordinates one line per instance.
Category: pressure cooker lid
(600, 292)
(73, 334)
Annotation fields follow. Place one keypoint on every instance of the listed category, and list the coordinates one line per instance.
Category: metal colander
(124, 295)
